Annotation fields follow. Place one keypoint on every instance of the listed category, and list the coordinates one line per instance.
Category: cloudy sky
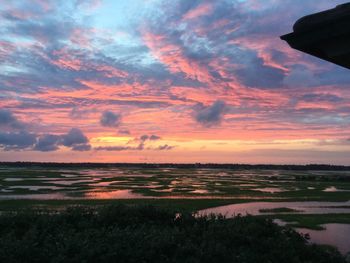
(167, 81)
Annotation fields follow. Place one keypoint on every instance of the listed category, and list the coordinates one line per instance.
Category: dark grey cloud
(144, 137)
(210, 115)
(74, 138)
(140, 147)
(8, 120)
(110, 119)
(165, 147)
(81, 147)
(124, 132)
(114, 148)
(17, 140)
(47, 143)
(24, 140)
(154, 137)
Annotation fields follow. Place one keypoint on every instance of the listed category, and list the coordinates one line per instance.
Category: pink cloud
(314, 105)
(68, 63)
(201, 10)
(111, 72)
(173, 57)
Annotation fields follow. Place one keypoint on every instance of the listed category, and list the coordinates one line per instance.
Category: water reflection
(162, 183)
(337, 235)
(118, 194)
(334, 189)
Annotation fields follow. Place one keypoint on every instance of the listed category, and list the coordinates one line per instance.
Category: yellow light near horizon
(109, 140)
(209, 145)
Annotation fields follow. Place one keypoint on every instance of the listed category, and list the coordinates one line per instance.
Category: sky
(167, 81)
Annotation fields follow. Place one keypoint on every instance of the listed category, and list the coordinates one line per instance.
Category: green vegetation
(147, 234)
(187, 205)
(312, 221)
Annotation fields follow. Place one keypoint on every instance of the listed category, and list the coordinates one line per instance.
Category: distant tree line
(310, 167)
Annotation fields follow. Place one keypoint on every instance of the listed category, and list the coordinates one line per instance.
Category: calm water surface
(337, 235)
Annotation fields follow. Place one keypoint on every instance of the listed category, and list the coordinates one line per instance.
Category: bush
(147, 234)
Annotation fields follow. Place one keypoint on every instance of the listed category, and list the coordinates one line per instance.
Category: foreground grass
(183, 205)
(123, 233)
(293, 218)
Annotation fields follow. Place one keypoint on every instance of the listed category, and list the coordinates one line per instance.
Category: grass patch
(312, 221)
(188, 205)
(279, 210)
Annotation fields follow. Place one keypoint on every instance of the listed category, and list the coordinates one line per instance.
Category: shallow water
(36, 187)
(165, 183)
(270, 190)
(337, 235)
(200, 191)
(333, 189)
(13, 179)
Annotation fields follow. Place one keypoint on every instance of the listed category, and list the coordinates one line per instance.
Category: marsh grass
(182, 182)
(311, 221)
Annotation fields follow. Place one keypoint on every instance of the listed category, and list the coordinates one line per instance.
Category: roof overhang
(325, 35)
